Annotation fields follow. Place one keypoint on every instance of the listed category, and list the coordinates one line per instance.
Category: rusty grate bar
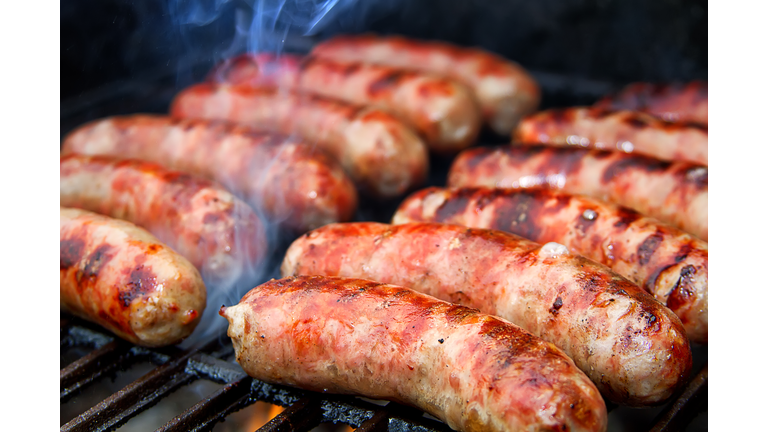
(686, 406)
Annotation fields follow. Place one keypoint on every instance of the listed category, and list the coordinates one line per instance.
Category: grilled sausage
(383, 155)
(443, 111)
(668, 263)
(292, 183)
(121, 277)
(633, 348)
(504, 90)
(196, 217)
(673, 192)
(473, 371)
(627, 131)
(672, 102)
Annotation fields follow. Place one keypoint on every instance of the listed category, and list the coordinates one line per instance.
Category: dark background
(615, 41)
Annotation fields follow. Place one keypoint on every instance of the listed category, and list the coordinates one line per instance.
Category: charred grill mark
(455, 205)
(683, 291)
(556, 160)
(70, 252)
(386, 81)
(625, 163)
(625, 217)
(684, 251)
(96, 261)
(586, 219)
(141, 281)
(636, 121)
(558, 116)
(646, 249)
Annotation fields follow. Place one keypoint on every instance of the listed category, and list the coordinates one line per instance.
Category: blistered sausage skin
(673, 192)
(383, 155)
(196, 217)
(632, 347)
(668, 263)
(684, 102)
(473, 371)
(290, 181)
(121, 277)
(626, 131)
(504, 90)
(442, 110)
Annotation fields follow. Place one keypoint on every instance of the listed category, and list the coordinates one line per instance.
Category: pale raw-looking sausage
(672, 192)
(632, 347)
(626, 131)
(685, 102)
(474, 371)
(196, 217)
(665, 261)
(121, 277)
(292, 183)
(504, 90)
(383, 155)
(442, 110)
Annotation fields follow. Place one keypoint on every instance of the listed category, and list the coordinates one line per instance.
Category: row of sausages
(610, 336)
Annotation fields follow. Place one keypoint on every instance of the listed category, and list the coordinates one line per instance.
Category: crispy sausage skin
(121, 277)
(504, 90)
(474, 371)
(633, 348)
(627, 131)
(668, 263)
(442, 110)
(291, 182)
(673, 192)
(685, 102)
(383, 155)
(196, 217)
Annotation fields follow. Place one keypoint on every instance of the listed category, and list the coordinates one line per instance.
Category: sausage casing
(684, 102)
(672, 192)
(668, 263)
(383, 155)
(120, 276)
(291, 182)
(196, 217)
(442, 110)
(473, 371)
(632, 347)
(504, 90)
(626, 131)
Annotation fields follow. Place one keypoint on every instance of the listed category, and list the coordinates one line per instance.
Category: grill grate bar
(302, 416)
(90, 367)
(378, 423)
(204, 415)
(686, 406)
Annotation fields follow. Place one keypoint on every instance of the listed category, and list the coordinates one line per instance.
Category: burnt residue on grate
(304, 410)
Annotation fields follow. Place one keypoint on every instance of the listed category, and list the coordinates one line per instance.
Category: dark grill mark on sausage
(561, 115)
(96, 261)
(626, 163)
(683, 252)
(518, 214)
(598, 113)
(583, 224)
(646, 249)
(386, 81)
(455, 205)
(682, 292)
(140, 282)
(70, 252)
(625, 217)
(556, 160)
(555, 309)
(636, 122)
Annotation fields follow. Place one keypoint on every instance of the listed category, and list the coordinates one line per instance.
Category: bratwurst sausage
(196, 217)
(684, 102)
(473, 371)
(668, 263)
(626, 131)
(383, 155)
(504, 90)
(291, 182)
(442, 110)
(121, 277)
(633, 348)
(672, 192)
